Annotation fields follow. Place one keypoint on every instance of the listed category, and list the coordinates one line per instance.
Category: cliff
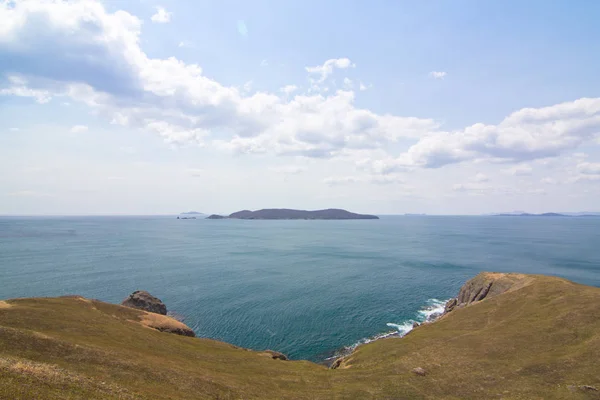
(529, 337)
(487, 285)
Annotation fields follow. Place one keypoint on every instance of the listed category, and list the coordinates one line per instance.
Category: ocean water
(305, 288)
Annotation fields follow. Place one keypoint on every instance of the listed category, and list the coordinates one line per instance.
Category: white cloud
(372, 179)
(362, 87)
(247, 87)
(196, 172)
(438, 74)
(174, 99)
(348, 84)
(94, 57)
(479, 177)
(13, 129)
(589, 168)
(584, 178)
(520, 170)
(127, 149)
(549, 181)
(79, 129)
(264, 63)
(162, 16)
(586, 172)
(176, 134)
(289, 169)
(528, 134)
(186, 44)
(484, 189)
(242, 28)
(328, 67)
(340, 180)
(19, 89)
(288, 89)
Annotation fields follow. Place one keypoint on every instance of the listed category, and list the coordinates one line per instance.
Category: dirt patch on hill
(165, 324)
(4, 304)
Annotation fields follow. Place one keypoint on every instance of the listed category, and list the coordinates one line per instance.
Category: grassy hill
(540, 340)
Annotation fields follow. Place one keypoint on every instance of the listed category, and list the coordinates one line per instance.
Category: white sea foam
(433, 309)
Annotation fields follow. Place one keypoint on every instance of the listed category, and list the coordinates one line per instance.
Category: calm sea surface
(305, 288)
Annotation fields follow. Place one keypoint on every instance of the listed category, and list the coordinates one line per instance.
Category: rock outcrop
(275, 355)
(155, 316)
(486, 285)
(143, 300)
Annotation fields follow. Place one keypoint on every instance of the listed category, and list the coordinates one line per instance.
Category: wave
(431, 311)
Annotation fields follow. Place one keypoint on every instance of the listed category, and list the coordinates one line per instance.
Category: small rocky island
(285, 213)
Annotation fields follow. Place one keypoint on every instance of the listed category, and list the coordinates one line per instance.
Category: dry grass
(540, 341)
(517, 281)
(4, 304)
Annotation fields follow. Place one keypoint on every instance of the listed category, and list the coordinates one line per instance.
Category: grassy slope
(531, 343)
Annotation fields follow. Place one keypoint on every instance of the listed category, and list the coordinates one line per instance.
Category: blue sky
(445, 107)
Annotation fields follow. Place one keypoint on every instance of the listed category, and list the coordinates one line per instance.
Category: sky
(386, 107)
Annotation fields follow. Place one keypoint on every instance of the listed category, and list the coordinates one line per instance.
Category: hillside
(284, 213)
(508, 336)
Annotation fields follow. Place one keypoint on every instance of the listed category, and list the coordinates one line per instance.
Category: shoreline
(429, 313)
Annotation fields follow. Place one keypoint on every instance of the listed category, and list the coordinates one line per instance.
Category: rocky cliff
(143, 300)
(487, 285)
(155, 314)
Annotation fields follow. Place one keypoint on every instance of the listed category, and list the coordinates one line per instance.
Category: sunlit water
(305, 288)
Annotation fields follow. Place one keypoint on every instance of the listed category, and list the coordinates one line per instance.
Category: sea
(309, 289)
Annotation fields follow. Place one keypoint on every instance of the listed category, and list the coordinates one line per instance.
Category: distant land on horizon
(285, 213)
(192, 213)
(550, 214)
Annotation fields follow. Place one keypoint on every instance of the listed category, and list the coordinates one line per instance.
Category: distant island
(192, 213)
(284, 213)
(215, 216)
(532, 215)
(550, 214)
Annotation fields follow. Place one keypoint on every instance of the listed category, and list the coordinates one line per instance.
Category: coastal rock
(275, 355)
(215, 216)
(486, 285)
(416, 324)
(419, 371)
(450, 305)
(143, 300)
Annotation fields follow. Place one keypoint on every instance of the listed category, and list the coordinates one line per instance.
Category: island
(286, 213)
(531, 215)
(215, 216)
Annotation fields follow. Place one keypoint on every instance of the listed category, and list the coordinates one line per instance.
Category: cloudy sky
(441, 107)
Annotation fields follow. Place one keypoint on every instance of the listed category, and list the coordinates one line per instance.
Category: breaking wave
(432, 310)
